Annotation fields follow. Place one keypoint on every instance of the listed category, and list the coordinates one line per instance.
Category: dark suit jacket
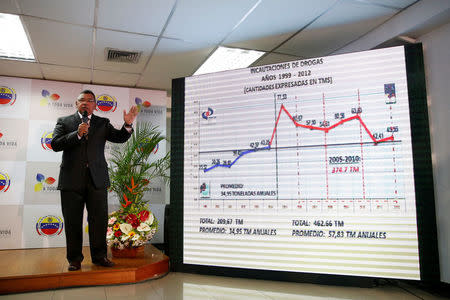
(65, 139)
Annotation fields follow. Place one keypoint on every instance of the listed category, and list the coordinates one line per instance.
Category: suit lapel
(76, 120)
(93, 123)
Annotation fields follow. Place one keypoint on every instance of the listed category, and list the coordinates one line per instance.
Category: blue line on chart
(240, 155)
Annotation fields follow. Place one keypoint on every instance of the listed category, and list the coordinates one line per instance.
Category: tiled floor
(190, 286)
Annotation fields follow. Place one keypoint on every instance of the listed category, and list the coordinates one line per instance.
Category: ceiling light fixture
(14, 43)
(228, 59)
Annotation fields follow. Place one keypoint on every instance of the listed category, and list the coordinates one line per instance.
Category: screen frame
(423, 179)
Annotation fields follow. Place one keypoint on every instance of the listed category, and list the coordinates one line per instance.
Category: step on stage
(28, 270)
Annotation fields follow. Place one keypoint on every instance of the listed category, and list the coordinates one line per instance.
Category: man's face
(85, 102)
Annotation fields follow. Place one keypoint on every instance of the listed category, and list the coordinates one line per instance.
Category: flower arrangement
(131, 171)
(130, 229)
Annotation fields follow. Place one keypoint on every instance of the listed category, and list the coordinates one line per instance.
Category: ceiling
(69, 37)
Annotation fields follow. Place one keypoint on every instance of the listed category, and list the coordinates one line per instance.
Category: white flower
(135, 237)
(126, 228)
(150, 220)
(143, 227)
(112, 220)
(124, 238)
(139, 243)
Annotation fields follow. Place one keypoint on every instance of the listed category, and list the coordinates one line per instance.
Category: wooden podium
(28, 270)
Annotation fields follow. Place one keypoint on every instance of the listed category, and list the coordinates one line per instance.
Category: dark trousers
(72, 203)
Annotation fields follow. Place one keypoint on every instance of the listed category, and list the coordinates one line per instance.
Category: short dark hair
(86, 92)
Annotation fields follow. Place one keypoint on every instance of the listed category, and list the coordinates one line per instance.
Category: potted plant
(131, 171)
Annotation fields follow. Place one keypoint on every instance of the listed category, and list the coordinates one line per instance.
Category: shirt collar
(81, 116)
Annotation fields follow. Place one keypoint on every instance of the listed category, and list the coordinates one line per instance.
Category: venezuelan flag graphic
(5, 182)
(7, 95)
(46, 140)
(49, 225)
(106, 103)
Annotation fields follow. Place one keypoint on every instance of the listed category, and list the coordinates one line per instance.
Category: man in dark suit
(83, 177)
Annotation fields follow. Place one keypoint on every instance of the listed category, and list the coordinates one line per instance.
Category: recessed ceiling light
(228, 59)
(14, 42)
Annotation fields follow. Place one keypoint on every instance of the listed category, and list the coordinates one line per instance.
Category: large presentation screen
(302, 166)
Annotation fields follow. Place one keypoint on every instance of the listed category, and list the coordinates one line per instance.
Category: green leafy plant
(131, 171)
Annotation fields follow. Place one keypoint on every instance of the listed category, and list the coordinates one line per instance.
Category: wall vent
(122, 55)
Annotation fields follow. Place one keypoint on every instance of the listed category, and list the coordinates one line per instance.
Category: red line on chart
(326, 129)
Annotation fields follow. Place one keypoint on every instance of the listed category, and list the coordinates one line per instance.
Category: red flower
(118, 233)
(143, 215)
(126, 201)
(133, 220)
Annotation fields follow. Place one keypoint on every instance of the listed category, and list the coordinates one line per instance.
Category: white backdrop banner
(30, 212)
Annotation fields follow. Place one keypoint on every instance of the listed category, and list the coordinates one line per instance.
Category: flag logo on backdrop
(49, 225)
(156, 149)
(44, 184)
(46, 140)
(141, 103)
(5, 182)
(106, 103)
(7, 95)
(48, 98)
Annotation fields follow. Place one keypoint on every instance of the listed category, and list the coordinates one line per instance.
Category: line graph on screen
(326, 147)
(310, 157)
(324, 129)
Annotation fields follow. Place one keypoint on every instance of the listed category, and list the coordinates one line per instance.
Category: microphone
(85, 120)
